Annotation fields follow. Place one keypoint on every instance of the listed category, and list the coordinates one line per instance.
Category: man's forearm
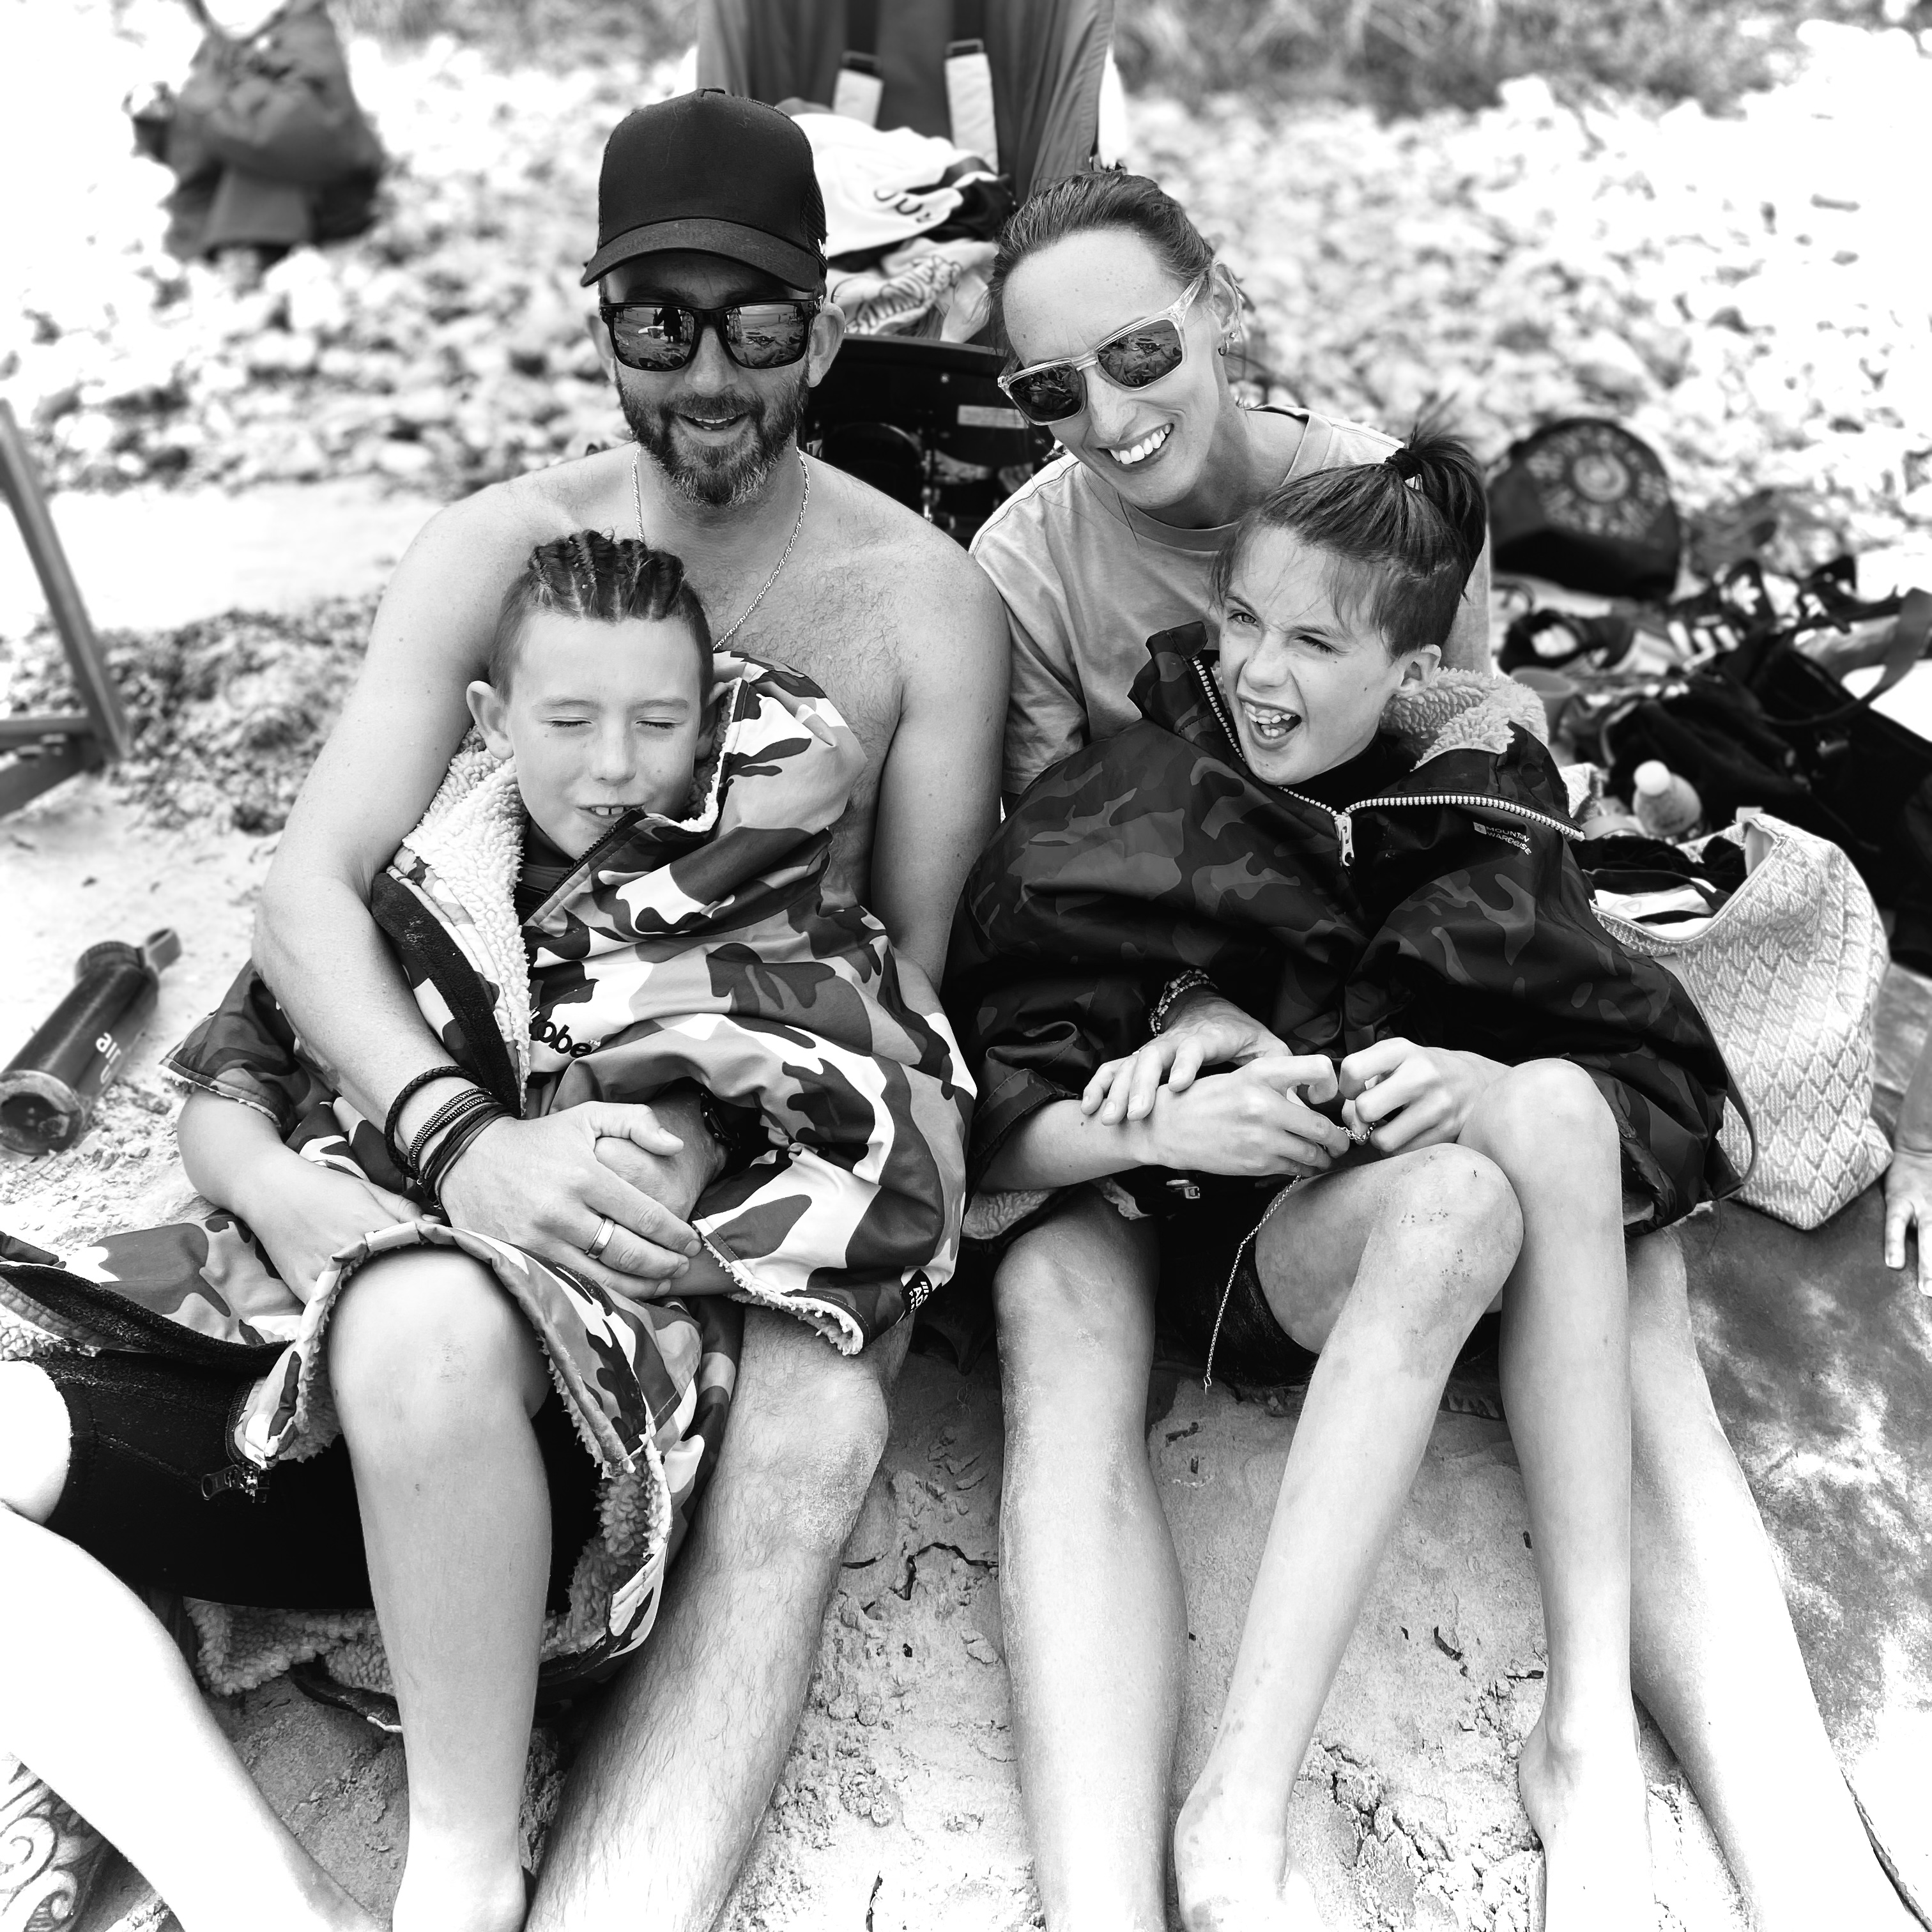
(326, 959)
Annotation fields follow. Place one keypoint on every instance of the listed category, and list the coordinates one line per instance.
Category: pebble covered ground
(1750, 290)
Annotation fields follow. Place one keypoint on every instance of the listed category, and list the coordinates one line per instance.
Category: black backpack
(1584, 502)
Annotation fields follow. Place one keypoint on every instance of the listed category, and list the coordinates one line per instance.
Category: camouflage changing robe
(1447, 910)
(703, 948)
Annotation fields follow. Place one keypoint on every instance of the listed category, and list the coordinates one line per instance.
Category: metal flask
(49, 1089)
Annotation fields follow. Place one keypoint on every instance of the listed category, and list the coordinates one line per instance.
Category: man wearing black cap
(711, 274)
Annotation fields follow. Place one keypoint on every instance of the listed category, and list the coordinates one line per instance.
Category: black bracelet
(394, 1120)
(445, 1122)
(433, 1162)
(444, 1116)
(457, 1142)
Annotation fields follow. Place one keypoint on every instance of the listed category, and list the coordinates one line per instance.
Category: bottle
(1667, 806)
(49, 1089)
(1601, 814)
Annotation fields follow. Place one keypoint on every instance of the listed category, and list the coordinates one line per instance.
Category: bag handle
(1910, 633)
(1735, 1098)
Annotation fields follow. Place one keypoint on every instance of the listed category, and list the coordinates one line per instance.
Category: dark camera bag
(1584, 502)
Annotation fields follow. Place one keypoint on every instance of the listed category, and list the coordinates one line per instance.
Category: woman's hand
(543, 1185)
(1254, 1121)
(1401, 1095)
(305, 1214)
(1204, 1029)
(1908, 1209)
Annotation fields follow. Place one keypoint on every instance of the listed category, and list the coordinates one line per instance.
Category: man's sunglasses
(1141, 353)
(660, 337)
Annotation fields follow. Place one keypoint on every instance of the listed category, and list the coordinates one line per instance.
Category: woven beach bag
(1787, 975)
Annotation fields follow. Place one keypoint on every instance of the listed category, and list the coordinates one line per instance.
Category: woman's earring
(1222, 349)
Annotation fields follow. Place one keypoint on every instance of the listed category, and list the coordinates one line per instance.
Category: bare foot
(1591, 1808)
(1228, 1867)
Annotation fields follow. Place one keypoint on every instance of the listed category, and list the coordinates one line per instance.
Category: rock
(980, 1650)
(407, 462)
(275, 353)
(1607, 362)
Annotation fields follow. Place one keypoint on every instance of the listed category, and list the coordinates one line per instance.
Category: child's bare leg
(97, 1700)
(1386, 1269)
(1567, 1389)
(436, 1375)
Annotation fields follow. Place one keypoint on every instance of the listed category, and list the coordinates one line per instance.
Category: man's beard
(721, 479)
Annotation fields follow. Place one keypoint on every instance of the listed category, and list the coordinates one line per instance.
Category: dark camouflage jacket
(1447, 911)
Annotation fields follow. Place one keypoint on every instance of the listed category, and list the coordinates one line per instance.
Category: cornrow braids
(1401, 536)
(603, 579)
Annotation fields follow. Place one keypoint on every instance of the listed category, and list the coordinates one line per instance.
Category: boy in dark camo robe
(620, 889)
(1470, 1089)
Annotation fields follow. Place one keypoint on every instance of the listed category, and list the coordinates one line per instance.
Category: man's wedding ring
(601, 1240)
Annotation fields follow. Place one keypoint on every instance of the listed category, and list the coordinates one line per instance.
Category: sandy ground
(899, 1807)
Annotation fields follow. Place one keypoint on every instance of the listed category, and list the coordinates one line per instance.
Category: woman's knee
(1074, 1299)
(420, 1339)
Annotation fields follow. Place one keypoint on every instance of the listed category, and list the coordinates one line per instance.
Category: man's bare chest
(838, 636)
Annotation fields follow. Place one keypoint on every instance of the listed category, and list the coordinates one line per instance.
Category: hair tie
(1406, 464)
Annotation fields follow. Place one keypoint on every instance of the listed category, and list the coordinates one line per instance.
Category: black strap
(969, 25)
(861, 30)
(1910, 634)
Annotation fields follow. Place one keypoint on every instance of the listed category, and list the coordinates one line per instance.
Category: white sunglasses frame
(1080, 364)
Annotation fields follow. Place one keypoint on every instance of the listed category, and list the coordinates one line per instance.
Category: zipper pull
(1345, 830)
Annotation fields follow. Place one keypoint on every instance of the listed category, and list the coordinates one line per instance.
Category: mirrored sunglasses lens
(1049, 395)
(767, 335)
(1143, 355)
(652, 335)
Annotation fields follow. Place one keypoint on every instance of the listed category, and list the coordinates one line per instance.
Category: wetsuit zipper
(1344, 817)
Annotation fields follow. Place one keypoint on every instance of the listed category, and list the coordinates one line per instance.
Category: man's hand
(1406, 1096)
(1203, 1029)
(1255, 1121)
(1908, 1209)
(547, 1185)
(305, 1214)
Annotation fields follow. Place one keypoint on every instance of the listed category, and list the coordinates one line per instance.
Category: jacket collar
(1453, 711)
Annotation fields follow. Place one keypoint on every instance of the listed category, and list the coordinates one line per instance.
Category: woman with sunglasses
(1118, 320)
(1115, 313)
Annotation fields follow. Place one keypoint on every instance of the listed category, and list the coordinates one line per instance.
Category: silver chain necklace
(805, 470)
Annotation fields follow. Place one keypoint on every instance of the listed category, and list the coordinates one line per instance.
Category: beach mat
(1819, 1359)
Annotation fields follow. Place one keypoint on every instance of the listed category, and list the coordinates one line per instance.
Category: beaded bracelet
(394, 1120)
(1176, 990)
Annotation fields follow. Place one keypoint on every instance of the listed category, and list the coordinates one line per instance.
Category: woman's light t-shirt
(1087, 579)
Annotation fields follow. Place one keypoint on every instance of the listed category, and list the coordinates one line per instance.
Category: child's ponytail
(1445, 472)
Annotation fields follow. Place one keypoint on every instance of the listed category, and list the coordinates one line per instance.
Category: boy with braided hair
(620, 889)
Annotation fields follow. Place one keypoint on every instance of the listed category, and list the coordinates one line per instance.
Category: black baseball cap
(715, 172)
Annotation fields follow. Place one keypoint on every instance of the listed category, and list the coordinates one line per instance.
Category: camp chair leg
(47, 749)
